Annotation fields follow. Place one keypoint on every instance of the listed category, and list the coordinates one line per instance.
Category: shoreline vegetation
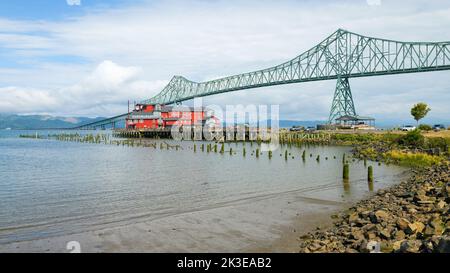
(412, 216)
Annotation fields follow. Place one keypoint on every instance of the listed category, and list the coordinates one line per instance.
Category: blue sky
(89, 59)
(55, 9)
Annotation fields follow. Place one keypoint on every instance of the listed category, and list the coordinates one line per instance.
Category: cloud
(103, 91)
(152, 41)
(73, 2)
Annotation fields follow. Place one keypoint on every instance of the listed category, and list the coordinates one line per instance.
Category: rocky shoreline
(412, 217)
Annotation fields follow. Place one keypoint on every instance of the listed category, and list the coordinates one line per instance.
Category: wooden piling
(370, 174)
(346, 172)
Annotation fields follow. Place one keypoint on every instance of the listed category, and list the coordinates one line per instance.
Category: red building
(160, 116)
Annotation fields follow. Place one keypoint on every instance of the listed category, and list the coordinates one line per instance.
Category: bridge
(341, 56)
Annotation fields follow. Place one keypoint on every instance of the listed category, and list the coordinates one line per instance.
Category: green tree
(419, 111)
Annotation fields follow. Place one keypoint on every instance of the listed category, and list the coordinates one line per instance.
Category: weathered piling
(346, 172)
(370, 174)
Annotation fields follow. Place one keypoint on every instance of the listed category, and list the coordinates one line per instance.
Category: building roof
(353, 118)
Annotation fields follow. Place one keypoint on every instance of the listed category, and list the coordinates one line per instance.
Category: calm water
(50, 188)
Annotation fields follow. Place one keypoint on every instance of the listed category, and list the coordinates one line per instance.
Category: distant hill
(41, 121)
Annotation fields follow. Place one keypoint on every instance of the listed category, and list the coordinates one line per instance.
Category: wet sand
(270, 223)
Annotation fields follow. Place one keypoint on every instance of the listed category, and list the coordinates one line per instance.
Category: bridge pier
(342, 101)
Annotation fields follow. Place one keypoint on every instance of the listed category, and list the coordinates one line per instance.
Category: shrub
(425, 127)
(412, 138)
(389, 137)
(437, 142)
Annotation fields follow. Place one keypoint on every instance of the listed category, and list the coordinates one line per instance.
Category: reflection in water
(51, 188)
(371, 188)
(346, 183)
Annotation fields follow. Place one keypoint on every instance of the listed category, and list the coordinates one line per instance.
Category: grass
(415, 160)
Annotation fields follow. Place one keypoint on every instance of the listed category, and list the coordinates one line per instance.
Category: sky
(89, 57)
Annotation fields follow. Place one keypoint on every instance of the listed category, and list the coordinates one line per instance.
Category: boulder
(443, 245)
(379, 216)
(415, 228)
(385, 233)
(402, 223)
(357, 234)
(400, 235)
(397, 245)
(441, 205)
(429, 231)
(437, 224)
(410, 246)
(353, 217)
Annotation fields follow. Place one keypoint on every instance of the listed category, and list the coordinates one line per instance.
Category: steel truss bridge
(341, 56)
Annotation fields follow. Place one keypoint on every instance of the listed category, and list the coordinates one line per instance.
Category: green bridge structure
(341, 56)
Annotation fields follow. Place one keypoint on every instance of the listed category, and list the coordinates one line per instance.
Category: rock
(314, 247)
(369, 227)
(446, 190)
(410, 246)
(378, 216)
(403, 223)
(420, 226)
(357, 234)
(415, 228)
(400, 235)
(351, 250)
(441, 205)
(353, 217)
(397, 245)
(429, 231)
(443, 245)
(385, 234)
(412, 211)
(387, 247)
(436, 222)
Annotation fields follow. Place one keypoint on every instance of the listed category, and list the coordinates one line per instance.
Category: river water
(51, 188)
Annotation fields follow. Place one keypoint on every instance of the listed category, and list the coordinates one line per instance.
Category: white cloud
(105, 90)
(200, 40)
(73, 2)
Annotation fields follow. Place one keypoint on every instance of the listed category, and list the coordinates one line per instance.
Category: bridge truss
(341, 56)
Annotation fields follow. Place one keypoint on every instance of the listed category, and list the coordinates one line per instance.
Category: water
(50, 188)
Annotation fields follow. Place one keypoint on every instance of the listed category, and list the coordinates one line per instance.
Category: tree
(419, 111)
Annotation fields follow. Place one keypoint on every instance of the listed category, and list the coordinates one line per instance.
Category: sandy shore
(270, 223)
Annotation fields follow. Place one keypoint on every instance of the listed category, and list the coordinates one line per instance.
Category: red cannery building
(146, 116)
